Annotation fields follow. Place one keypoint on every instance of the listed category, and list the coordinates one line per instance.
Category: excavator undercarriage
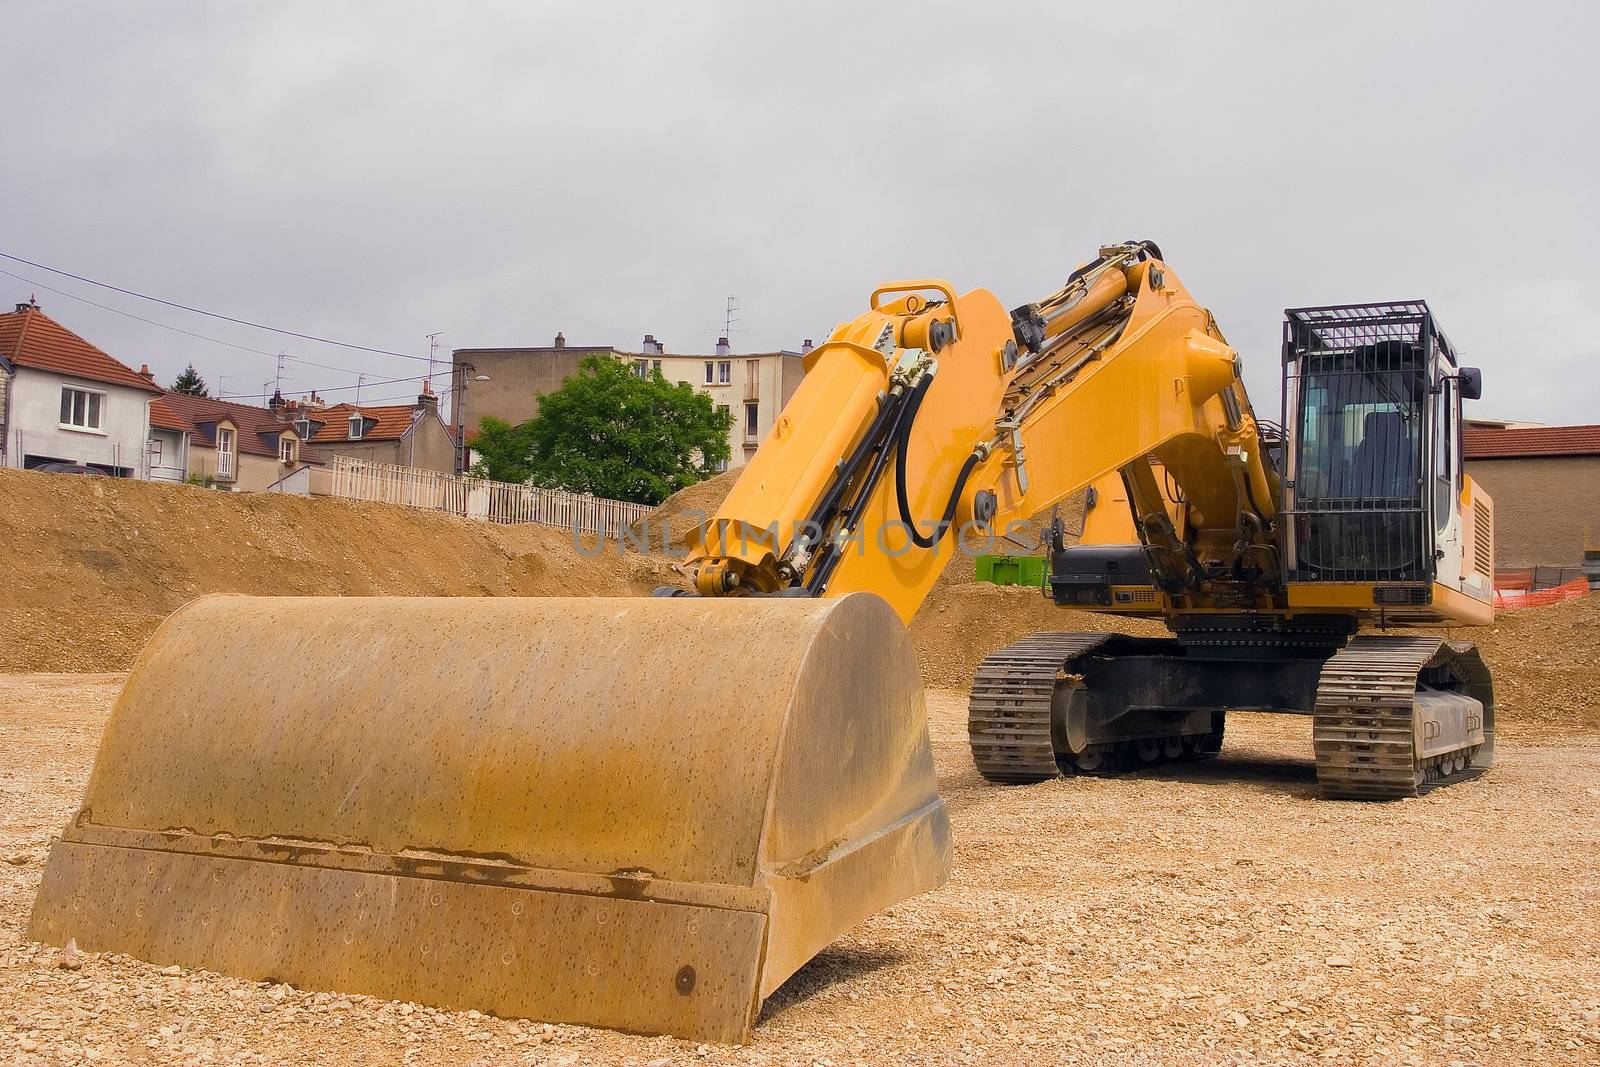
(1392, 716)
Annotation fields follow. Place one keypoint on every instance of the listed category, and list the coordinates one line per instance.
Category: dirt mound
(1546, 665)
(92, 565)
(679, 517)
(962, 622)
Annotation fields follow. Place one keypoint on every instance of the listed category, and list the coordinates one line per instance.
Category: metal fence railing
(25, 448)
(478, 498)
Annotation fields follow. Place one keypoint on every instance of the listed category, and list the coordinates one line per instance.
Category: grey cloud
(377, 171)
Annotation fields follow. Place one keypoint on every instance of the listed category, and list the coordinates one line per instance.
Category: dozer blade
(642, 814)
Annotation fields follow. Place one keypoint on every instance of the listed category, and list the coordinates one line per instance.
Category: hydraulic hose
(902, 438)
(891, 421)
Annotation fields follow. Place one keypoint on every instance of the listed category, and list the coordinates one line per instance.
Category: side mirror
(1471, 383)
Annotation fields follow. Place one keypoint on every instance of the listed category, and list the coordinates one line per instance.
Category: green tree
(190, 383)
(503, 450)
(609, 432)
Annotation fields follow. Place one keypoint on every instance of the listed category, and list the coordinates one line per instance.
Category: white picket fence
(479, 498)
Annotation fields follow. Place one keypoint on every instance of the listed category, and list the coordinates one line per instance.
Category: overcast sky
(376, 172)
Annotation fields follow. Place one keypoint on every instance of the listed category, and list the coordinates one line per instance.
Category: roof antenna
(433, 348)
(730, 318)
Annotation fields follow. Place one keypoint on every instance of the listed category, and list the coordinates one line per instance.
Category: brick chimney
(722, 346)
(427, 400)
(806, 346)
(561, 340)
(146, 373)
(278, 406)
(651, 346)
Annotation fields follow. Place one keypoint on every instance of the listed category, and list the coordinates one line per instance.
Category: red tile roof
(162, 417)
(1531, 441)
(30, 338)
(259, 429)
(392, 422)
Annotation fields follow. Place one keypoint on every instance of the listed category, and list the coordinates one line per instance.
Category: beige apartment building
(752, 386)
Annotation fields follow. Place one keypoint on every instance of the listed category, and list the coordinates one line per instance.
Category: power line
(386, 400)
(229, 344)
(211, 314)
(168, 326)
(338, 388)
(434, 374)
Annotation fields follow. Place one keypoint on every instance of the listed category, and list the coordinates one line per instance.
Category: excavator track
(1365, 720)
(1009, 712)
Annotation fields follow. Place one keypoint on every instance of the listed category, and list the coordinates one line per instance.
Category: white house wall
(297, 482)
(35, 423)
(170, 465)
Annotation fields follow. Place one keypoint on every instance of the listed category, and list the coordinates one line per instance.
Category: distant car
(69, 468)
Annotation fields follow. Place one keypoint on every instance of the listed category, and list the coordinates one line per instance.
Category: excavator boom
(935, 413)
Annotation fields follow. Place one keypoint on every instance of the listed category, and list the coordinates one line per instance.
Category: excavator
(647, 813)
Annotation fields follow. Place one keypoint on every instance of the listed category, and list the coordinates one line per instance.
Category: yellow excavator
(647, 813)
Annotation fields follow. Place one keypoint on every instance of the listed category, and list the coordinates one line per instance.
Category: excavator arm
(935, 416)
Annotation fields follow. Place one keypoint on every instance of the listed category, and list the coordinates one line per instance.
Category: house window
(655, 366)
(750, 419)
(356, 427)
(287, 452)
(641, 368)
(752, 370)
(724, 371)
(709, 371)
(224, 452)
(80, 408)
(155, 451)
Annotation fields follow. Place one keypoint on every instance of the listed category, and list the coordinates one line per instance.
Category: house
(62, 400)
(754, 386)
(1545, 481)
(243, 447)
(169, 442)
(411, 435)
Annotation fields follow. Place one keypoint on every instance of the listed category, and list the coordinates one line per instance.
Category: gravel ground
(1219, 914)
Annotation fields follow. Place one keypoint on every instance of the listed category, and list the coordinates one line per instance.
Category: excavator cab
(1372, 401)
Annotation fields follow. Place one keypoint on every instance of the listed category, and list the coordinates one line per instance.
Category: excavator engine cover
(642, 814)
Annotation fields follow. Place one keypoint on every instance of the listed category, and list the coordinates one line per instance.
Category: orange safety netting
(1512, 597)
